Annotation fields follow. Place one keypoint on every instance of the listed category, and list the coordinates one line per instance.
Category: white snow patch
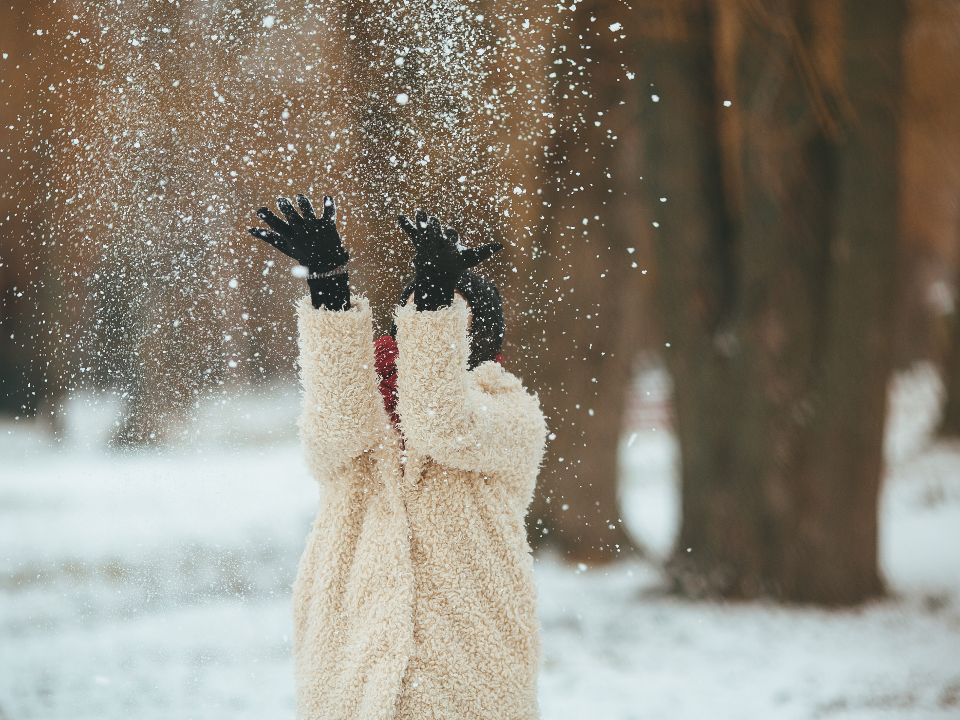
(158, 585)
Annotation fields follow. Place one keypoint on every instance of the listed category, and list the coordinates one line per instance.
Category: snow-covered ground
(157, 586)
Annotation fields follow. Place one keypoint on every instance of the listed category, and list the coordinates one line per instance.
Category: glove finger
(421, 218)
(474, 256)
(409, 228)
(286, 207)
(453, 237)
(329, 208)
(307, 208)
(272, 220)
(271, 237)
(434, 234)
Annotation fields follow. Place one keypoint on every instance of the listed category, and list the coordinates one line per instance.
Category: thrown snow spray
(203, 111)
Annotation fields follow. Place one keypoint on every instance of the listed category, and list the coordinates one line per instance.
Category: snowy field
(158, 586)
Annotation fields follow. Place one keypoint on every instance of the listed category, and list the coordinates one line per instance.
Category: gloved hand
(439, 260)
(314, 243)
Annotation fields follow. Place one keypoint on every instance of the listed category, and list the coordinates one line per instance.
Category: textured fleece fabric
(415, 596)
(487, 327)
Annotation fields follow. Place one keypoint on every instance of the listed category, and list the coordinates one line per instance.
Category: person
(415, 595)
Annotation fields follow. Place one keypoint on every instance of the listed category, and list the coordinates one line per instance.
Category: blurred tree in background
(932, 193)
(593, 292)
(28, 383)
(777, 256)
(930, 181)
(792, 202)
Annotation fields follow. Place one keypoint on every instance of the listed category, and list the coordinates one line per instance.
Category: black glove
(313, 242)
(439, 260)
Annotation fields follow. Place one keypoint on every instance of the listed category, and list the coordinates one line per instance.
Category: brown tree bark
(779, 308)
(783, 231)
(694, 285)
(837, 561)
(930, 182)
(592, 295)
(30, 371)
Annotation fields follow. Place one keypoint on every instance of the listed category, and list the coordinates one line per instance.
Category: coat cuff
(314, 321)
(438, 338)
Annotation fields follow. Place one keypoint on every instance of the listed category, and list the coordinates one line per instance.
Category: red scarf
(385, 359)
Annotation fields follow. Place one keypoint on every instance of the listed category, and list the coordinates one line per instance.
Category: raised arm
(343, 413)
(481, 420)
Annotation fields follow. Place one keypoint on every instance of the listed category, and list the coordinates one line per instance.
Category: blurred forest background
(761, 195)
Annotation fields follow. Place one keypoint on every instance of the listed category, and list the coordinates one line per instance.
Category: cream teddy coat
(415, 596)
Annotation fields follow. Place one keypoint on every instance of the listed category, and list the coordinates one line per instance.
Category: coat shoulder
(492, 378)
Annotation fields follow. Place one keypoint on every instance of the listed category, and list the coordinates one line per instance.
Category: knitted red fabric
(385, 359)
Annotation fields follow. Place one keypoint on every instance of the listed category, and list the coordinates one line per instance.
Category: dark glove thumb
(409, 228)
(474, 256)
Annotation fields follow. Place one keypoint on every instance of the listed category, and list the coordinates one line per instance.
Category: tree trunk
(591, 288)
(781, 256)
(694, 283)
(30, 372)
(779, 316)
(837, 553)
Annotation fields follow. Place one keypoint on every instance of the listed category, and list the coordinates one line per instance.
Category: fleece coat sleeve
(482, 421)
(342, 415)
